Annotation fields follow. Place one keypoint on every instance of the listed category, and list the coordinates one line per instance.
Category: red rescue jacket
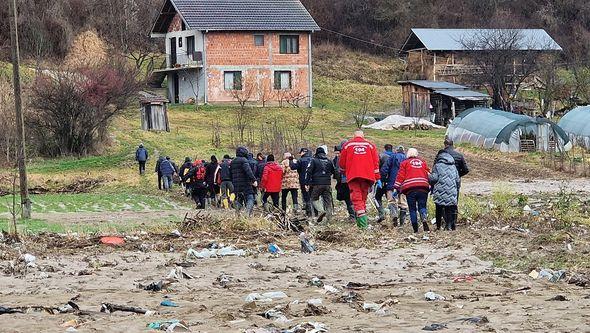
(272, 178)
(412, 175)
(359, 159)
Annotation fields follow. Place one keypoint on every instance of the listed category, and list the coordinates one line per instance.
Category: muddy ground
(383, 266)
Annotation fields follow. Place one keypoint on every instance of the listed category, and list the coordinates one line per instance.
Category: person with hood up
(360, 162)
(319, 175)
(271, 181)
(300, 166)
(342, 190)
(290, 184)
(445, 183)
(167, 169)
(182, 172)
(254, 166)
(197, 184)
(243, 180)
(226, 187)
(381, 188)
(398, 207)
(157, 171)
(211, 179)
(412, 180)
(141, 156)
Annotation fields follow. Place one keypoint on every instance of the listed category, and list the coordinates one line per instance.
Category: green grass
(75, 164)
(95, 202)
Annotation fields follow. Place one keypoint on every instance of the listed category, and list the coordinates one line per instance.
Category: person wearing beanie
(319, 175)
(271, 181)
(226, 187)
(141, 156)
(300, 166)
(243, 180)
(412, 180)
(360, 162)
(290, 183)
(211, 179)
(182, 172)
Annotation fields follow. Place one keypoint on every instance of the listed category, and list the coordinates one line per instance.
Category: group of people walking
(361, 175)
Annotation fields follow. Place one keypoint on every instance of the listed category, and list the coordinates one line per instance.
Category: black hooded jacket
(301, 166)
(224, 171)
(459, 160)
(320, 170)
(241, 173)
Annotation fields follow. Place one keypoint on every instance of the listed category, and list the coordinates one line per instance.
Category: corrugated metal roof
(463, 95)
(253, 15)
(433, 85)
(455, 39)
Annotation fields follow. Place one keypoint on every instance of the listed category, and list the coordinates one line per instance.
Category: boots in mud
(394, 214)
(361, 220)
(402, 217)
(381, 216)
(295, 208)
(319, 207)
(424, 220)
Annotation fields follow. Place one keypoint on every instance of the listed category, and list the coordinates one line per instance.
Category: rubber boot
(361, 222)
(424, 220)
(296, 208)
(394, 214)
(319, 207)
(402, 217)
(415, 227)
(381, 212)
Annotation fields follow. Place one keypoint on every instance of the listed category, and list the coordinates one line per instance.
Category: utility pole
(20, 124)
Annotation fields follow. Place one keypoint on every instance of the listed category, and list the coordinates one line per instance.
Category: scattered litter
(479, 320)
(173, 325)
(314, 301)
(110, 308)
(287, 269)
(168, 303)
(214, 253)
(70, 323)
(274, 249)
(350, 297)
(306, 246)
(548, 274)
(71, 330)
(425, 237)
(398, 122)
(178, 273)
(434, 327)
(256, 265)
(155, 286)
(315, 310)
(579, 280)
(316, 282)
(223, 280)
(431, 296)
(30, 259)
(276, 315)
(176, 233)
(369, 307)
(112, 240)
(309, 327)
(559, 298)
(463, 278)
(330, 289)
(265, 297)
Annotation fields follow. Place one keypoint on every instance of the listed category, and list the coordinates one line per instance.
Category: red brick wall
(236, 51)
(176, 24)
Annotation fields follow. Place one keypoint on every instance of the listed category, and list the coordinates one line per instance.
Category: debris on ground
(274, 249)
(548, 274)
(579, 280)
(169, 326)
(112, 240)
(398, 122)
(559, 298)
(309, 327)
(431, 296)
(110, 308)
(6, 310)
(306, 246)
(214, 253)
(265, 297)
(463, 278)
(287, 269)
(315, 310)
(331, 289)
(169, 303)
(434, 327)
(224, 280)
(155, 286)
(315, 282)
(178, 273)
(275, 314)
(30, 259)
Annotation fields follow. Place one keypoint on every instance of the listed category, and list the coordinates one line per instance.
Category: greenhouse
(507, 132)
(576, 123)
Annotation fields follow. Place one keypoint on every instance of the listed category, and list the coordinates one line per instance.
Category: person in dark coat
(141, 156)
(226, 187)
(167, 169)
(198, 185)
(381, 185)
(398, 207)
(243, 180)
(445, 181)
(300, 166)
(319, 175)
(254, 167)
(184, 169)
(342, 190)
(157, 170)
(460, 162)
(211, 178)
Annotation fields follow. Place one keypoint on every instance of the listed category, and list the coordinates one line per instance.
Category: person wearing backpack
(167, 170)
(184, 169)
(271, 181)
(212, 169)
(290, 184)
(198, 184)
(141, 156)
(319, 175)
(243, 180)
(225, 185)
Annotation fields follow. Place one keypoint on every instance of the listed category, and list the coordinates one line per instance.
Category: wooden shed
(438, 101)
(154, 112)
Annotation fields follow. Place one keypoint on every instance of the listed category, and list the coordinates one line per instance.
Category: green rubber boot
(361, 222)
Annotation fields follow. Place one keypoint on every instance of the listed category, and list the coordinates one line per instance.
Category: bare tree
(216, 134)
(550, 87)
(303, 119)
(295, 97)
(360, 114)
(243, 112)
(505, 60)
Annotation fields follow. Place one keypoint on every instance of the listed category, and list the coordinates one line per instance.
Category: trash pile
(214, 251)
(397, 122)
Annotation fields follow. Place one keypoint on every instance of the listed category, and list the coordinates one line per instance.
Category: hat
(400, 149)
(226, 156)
(187, 159)
(320, 150)
(270, 158)
(448, 141)
(303, 150)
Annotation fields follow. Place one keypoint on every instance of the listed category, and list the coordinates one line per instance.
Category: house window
(289, 44)
(232, 80)
(282, 80)
(190, 47)
(258, 40)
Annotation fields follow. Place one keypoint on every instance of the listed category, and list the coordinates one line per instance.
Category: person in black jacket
(184, 169)
(319, 175)
(460, 163)
(243, 180)
(342, 190)
(254, 167)
(197, 183)
(300, 166)
(212, 168)
(226, 187)
(158, 162)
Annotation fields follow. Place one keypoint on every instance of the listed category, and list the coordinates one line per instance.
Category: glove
(379, 184)
(255, 184)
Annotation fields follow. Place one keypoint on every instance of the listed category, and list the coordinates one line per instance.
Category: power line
(361, 40)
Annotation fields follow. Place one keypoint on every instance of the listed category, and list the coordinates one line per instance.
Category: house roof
(233, 15)
(459, 39)
(464, 95)
(433, 85)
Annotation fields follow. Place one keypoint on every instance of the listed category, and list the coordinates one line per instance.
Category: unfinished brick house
(219, 51)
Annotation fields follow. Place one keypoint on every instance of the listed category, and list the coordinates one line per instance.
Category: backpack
(184, 173)
(200, 173)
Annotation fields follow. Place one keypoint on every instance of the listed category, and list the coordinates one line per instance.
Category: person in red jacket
(412, 181)
(359, 161)
(272, 181)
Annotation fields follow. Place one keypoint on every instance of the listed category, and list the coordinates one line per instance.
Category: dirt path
(405, 271)
(527, 187)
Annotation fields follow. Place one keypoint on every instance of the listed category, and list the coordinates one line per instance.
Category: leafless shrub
(360, 114)
(303, 119)
(216, 134)
(295, 97)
